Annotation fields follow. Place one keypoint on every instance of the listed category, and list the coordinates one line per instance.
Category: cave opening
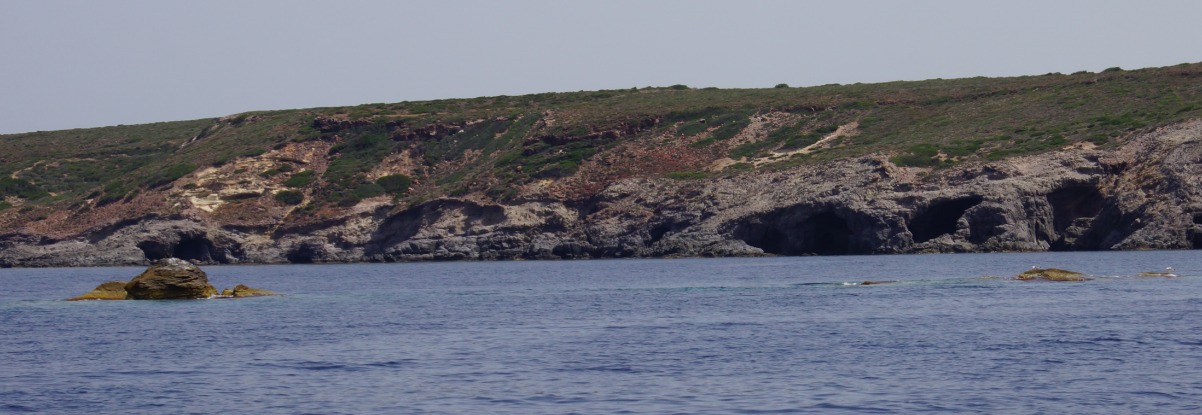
(303, 254)
(825, 234)
(794, 232)
(1076, 214)
(761, 232)
(195, 248)
(1072, 203)
(940, 217)
(154, 250)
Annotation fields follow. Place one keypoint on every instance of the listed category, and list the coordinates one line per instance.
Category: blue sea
(668, 336)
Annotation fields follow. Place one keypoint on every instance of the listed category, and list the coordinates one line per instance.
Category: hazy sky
(71, 64)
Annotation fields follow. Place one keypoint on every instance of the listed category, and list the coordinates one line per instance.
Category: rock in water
(112, 290)
(170, 278)
(242, 291)
(1051, 274)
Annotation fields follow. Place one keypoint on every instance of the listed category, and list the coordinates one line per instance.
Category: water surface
(763, 335)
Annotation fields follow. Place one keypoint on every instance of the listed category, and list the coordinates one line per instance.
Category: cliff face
(1144, 193)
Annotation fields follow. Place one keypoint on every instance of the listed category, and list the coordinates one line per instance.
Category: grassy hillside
(493, 145)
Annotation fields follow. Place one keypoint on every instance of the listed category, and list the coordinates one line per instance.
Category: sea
(942, 333)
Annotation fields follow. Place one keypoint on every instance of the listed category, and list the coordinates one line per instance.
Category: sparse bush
(290, 197)
(301, 179)
(781, 85)
(687, 175)
(692, 128)
(366, 190)
(395, 184)
(730, 129)
(920, 155)
(20, 188)
(171, 174)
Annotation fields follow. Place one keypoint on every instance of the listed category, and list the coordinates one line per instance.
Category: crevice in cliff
(940, 217)
(801, 230)
(1075, 212)
(1072, 203)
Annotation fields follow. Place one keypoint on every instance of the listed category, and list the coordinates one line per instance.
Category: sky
(75, 64)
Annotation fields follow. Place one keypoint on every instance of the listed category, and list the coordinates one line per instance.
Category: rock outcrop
(242, 291)
(111, 290)
(169, 279)
(1051, 274)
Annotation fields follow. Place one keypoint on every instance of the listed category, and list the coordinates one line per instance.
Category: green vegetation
(918, 155)
(687, 175)
(290, 197)
(301, 179)
(20, 188)
(171, 174)
(395, 184)
(494, 145)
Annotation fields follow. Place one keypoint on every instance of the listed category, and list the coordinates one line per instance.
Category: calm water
(775, 335)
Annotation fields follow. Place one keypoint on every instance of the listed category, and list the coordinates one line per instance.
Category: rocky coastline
(1145, 193)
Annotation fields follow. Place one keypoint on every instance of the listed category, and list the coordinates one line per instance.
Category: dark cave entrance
(193, 248)
(825, 234)
(1076, 211)
(305, 253)
(793, 232)
(940, 217)
(1072, 203)
(1195, 236)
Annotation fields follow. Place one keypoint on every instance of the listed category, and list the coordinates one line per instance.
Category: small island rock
(170, 278)
(242, 291)
(112, 290)
(1051, 274)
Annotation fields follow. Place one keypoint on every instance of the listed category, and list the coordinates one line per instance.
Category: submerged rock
(1167, 273)
(170, 278)
(242, 291)
(112, 290)
(1051, 274)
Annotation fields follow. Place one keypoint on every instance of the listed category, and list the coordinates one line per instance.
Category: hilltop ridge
(1081, 161)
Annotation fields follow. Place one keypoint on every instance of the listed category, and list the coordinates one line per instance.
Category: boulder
(112, 290)
(1051, 274)
(170, 278)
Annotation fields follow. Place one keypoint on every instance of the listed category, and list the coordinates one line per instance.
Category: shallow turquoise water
(766, 335)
